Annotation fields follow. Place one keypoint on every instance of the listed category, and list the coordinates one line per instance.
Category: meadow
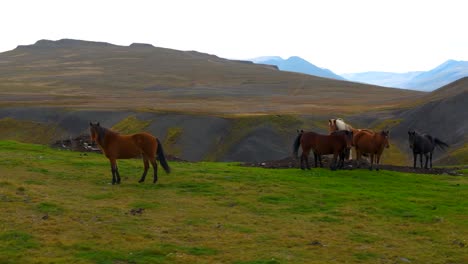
(59, 207)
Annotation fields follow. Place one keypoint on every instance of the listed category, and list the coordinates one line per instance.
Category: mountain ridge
(297, 64)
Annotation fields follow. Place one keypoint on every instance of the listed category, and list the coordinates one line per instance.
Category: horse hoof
(140, 181)
(377, 169)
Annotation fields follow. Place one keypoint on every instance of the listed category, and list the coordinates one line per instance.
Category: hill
(297, 64)
(84, 74)
(438, 77)
(221, 213)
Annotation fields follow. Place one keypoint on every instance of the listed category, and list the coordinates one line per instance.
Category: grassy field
(58, 207)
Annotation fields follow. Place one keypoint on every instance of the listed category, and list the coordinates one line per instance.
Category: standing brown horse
(116, 146)
(336, 144)
(339, 125)
(372, 144)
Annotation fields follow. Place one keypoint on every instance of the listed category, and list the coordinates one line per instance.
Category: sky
(342, 35)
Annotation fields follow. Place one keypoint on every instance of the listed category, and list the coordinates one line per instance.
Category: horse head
(332, 125)
(94, 130)
(385, 135)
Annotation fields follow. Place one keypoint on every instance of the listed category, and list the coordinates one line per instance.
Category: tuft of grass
(131, 125)
(172, 136)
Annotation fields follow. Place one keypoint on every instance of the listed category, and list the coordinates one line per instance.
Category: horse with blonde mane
(116, 146)
(339, 124)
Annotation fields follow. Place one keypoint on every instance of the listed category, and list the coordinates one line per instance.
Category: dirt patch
(290, 162)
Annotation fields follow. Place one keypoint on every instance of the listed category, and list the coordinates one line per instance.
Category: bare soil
(290, 162)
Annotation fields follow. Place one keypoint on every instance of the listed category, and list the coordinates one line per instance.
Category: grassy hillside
(85, 74)
(58, 206)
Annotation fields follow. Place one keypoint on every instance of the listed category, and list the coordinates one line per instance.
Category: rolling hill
(201, 106)
(443, 74)
(84, 74)
(297, 64)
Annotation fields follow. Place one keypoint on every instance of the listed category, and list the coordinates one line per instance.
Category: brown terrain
(204, 107)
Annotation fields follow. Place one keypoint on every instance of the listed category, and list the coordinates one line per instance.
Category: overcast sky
(342, 35)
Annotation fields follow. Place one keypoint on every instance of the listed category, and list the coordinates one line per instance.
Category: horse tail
(296, 145)
(439, 143)
(162, 158)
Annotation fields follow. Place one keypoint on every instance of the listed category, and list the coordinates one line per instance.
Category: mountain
(297, 64)
(387, 79)
(443, 74)
(86, 74)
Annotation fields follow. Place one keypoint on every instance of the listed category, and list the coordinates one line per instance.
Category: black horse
(424, 144)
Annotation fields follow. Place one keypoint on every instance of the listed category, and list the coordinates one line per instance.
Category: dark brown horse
(116, 146)
(372, 143)
(336, 144)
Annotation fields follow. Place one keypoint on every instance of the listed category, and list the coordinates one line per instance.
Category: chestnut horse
(339, 125)
(373, 144)
(336, 144)
(116, 146)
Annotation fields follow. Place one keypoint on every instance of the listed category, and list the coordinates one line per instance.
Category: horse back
(368, 141)
(131, 146)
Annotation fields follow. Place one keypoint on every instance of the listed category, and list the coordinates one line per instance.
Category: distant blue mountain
(297, 64)
(387, 79)
(443, 74)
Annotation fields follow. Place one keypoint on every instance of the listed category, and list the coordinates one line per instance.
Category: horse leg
(146, 164)
(307, 161)
(115, 172)
(371, 162)
(427, 160)
(415, 157)
(320, 161)
(420, 159)
(377, 162)
(430, 157)
(315, 159)
(302, 160)
(155, 169)
(333, 165)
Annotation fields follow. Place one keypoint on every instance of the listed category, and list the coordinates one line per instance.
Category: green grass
(222, 213)
(28, 131)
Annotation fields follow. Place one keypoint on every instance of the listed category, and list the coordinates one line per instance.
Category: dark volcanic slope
(94, 74)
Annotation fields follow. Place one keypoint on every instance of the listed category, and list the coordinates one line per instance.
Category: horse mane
(102, 131)
(342, 125)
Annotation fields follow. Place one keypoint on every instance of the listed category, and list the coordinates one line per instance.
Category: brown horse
(336, 144)
(116, 146)
(339, 125)
(372, 144)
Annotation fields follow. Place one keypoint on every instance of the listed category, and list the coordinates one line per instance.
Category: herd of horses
(339, 142)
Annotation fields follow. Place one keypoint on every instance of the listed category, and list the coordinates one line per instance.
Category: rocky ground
(290, 162)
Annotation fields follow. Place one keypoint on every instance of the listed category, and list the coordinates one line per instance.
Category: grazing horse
(116, 146)
(339, 125)
(373, 144)
(424, 144)
(336, 144)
